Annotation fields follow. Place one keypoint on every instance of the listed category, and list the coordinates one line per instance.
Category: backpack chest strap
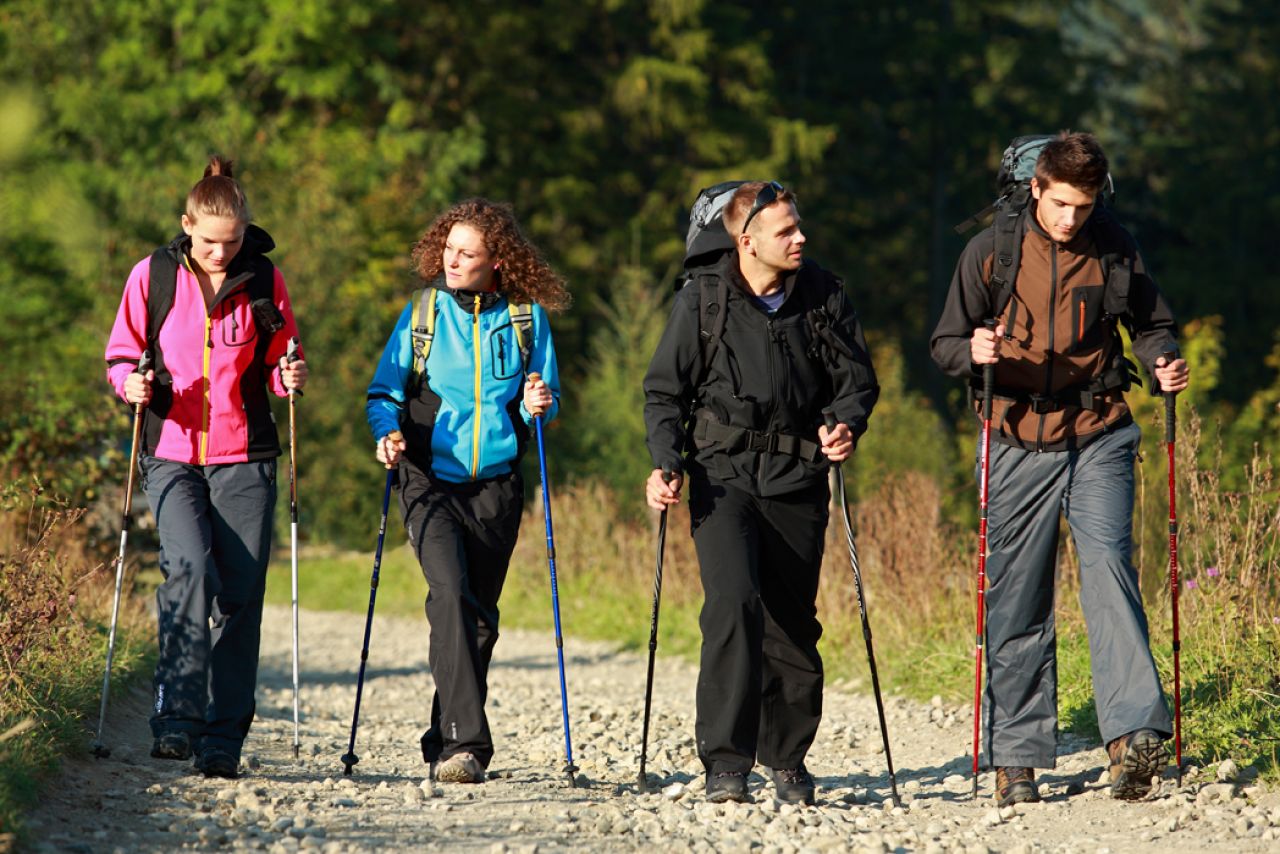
(708, 432)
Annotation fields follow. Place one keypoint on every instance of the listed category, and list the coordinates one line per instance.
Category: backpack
(706, 242)
(423, 326)
(1013, 185)
(163, 287)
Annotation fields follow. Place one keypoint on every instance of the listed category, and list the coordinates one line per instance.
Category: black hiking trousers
(759, 692)
(463, 534)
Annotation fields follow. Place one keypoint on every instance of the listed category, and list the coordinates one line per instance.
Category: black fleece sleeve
(1149, 319)
(853, 379)
(668, 384)
(968, 305)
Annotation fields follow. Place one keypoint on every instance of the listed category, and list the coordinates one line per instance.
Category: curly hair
(523, 277)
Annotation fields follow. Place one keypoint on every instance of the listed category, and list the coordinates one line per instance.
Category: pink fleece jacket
(214, 416)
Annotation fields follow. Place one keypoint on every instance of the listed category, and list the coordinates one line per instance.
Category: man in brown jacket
(1064, 443)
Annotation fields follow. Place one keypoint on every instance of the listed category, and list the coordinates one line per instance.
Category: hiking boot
(460, 768)
(793, 785)
(1135, 759)
(727, 786)
(1016, 786)
(215, 762)
(172, 745)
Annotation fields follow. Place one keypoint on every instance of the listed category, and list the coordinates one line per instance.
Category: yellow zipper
(204, 405)
(475, 339)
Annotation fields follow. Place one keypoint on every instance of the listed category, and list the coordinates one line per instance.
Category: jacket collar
(466, 299)
(728, 267)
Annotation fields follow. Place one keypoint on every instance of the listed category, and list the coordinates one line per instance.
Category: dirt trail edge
(131, 802)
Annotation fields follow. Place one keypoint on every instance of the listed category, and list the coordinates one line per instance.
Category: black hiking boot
(1135, 759)
(727, 786)
(172, 745)
(1016, 786)
(215, 762)
(793, 785)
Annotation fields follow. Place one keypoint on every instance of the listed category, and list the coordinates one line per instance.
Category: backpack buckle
(763, 443)
(1042, 404)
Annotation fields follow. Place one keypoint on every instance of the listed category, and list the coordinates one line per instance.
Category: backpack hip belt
(1090, 395)
(707, 432)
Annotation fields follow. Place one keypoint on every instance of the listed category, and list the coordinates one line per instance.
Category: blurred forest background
(353, 124)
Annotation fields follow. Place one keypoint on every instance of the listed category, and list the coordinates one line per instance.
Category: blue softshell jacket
(469, 409)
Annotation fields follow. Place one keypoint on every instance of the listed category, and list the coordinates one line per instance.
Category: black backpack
(1013, 185)
(160, 296)
(706, 242)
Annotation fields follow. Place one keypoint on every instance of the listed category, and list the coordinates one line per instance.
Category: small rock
(1227, 772)
(991, 818)
(157, 789)
(1007, 813)
(673, 792)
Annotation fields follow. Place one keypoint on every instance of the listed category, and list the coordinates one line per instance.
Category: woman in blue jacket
(451, 405)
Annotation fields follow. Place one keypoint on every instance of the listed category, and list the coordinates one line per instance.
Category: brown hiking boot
(1016, 786)
(1135, 759)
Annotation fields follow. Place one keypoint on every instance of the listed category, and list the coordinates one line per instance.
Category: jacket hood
(256, 242)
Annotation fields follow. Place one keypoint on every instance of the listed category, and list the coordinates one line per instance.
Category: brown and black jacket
(1062, 374)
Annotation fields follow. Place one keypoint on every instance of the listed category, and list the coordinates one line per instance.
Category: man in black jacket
(757, 459)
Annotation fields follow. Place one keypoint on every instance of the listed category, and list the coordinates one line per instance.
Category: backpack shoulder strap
(160, 293)
(1117, 262)
(713, 294)
(1007, 254)
(423, 328)
(522, 323)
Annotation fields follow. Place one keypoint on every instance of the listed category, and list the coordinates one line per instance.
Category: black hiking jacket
(772, 375)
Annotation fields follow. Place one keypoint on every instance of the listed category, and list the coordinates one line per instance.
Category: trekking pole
(350, 759)
(569, 767)
(1170, 434)
(988, 381)
(829, 416)
(292, 356)
(100, 750)
(667, 475)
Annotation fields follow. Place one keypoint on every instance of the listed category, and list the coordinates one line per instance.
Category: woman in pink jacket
(214, 314)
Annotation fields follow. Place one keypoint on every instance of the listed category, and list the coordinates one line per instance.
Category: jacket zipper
(1048, 356)
(204, 398)
(475, 339)
(773, 391)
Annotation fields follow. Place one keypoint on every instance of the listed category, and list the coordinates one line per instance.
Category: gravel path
(131, 802)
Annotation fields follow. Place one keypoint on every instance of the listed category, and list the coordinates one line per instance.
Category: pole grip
(291, 355)
(988, 377)
(1170, 401)
(145, 362)
(829, 418)
(668, 474)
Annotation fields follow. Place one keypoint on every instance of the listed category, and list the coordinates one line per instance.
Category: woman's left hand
(537, 397)
(293, 375)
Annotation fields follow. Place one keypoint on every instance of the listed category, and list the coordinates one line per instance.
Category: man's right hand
(984, 346)
(137, 388)
(391, 449)
(658, 493)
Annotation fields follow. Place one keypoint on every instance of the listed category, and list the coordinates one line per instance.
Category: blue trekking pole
(350, 759)
(569, 767)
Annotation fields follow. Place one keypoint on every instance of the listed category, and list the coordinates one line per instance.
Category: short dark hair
(740, 205)
(1073, 158)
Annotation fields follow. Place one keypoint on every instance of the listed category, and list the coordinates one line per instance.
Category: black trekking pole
(829, 416)
(667, 476)
(1170, 434)
(988, 382)
(569, 767)
(350, 759)
(100, 750)
(292, 356)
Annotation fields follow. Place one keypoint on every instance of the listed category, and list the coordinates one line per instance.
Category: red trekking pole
(1170, 434)
(988, 380)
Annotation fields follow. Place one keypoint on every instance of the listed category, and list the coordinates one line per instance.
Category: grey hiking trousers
(1028, 492)
(215, 540)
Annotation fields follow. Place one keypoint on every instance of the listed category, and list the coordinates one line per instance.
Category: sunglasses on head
(768, 194)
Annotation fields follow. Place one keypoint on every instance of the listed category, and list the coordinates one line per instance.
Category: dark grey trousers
(1028, 493)
(215, 540)
(464, 534)
(759, 692)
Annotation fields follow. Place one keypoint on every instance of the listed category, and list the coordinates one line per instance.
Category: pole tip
(348, 762)
(99, 750)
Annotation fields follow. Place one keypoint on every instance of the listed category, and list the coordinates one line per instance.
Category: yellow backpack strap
(423, 326)
(522, 323)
